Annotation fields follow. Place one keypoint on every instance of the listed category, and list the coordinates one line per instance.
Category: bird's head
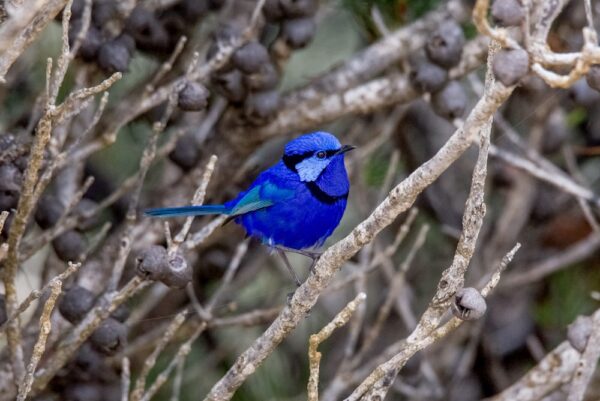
(309, 155)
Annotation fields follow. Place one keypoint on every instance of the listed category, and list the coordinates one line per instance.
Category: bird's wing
(259, 197)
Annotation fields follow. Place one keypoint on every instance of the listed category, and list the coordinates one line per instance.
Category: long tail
(187, 211)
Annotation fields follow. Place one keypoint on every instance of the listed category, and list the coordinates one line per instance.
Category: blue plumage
(295, 204)
(187, 211)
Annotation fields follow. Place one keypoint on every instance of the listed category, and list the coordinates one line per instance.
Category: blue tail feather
(187, 211)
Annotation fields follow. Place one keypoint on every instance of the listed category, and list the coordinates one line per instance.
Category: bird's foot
(308, 254)
(313, 255)
(289, 297)
(315, 260)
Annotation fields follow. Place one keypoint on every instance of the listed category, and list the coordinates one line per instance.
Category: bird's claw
(289, 297)
(312, 269)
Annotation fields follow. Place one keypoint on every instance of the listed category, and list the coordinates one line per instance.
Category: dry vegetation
(483, 116)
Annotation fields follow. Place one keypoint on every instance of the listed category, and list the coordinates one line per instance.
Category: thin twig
(587, 363)
(35, 294)
(125, 379)
(235, 262)
(394, 288)
(568, 257)
(67, 347)
(247, 319)
(571, 163)
(182, 353)
(73, 220)
(199, 237)
(558, 180)
(140, 383)
(167, 65)
(177, 381)
(410, 346)
(40, 345)
(197, 199)
(314, 356)
(17, 230)
(379, 258)
(148, 156)
(64, 58)
(125, 113)
(493, 281)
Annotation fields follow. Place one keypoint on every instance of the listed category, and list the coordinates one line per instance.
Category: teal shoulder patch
(271, 191)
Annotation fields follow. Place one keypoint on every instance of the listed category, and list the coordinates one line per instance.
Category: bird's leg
(313, 255)
(289, 266)
(313, 264)
(309, 254)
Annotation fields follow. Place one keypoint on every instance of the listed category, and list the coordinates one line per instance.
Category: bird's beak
(345, 148)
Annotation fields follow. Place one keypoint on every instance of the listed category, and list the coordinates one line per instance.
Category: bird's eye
(321, 155)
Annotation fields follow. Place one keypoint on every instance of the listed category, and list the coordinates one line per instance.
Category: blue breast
(303, 221)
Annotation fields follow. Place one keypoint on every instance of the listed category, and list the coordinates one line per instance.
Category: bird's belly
(297, 224)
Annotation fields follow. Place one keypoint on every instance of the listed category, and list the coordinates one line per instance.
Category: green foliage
(576, 117)
(376, 169)
(394, 12)
(140, 70)
(470, 30)
(568, 296)
(418, 8)
(19, 100)
(122, 159)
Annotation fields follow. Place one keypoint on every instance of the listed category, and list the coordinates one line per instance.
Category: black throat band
(291, 161)
(323, 196)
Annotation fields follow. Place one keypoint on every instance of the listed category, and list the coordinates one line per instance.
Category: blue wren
(294, 205)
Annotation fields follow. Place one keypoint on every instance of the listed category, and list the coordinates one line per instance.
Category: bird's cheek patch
(310, 169)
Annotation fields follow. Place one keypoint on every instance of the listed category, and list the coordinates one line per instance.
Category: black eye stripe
(292, 160)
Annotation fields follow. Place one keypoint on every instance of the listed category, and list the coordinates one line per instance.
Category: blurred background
(554, 278)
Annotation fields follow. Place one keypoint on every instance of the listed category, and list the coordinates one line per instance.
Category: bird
(292, 206)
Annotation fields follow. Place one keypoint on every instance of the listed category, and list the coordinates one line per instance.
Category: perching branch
(548, 375)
